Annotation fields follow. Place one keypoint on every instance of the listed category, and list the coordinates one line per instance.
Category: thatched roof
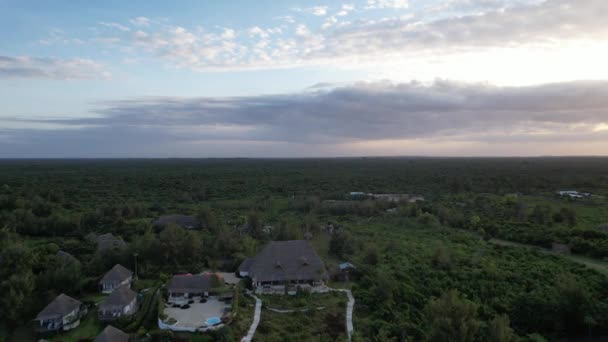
(107, 241)
(118, 299)
(117, 274)
(245, 265)
(286, 260)
(187, 283)
(59, 307)
(111, 334)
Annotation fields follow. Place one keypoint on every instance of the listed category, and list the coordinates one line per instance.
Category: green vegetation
(87, 330)
(450, 268)
(241, 323)
(420, 263)
(305, 301)
(314, 325)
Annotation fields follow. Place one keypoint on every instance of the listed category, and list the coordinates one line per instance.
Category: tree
(474, 221)
(541, 215)
(179, 246)
(17, 281)
(451, 318)
(384, 290)
(565, 215)
(573, 302)
(208, 219)
(442, 258)
(286, 231)
(248, 245)
(311, 224)
(340, 244)
(428, 220)
(146, 246)
(499, 329)
(60, 276)
(255, 225)
(521, 212)
(371, 255)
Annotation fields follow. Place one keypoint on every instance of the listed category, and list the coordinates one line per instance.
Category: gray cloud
(50, 68)
(316, 120)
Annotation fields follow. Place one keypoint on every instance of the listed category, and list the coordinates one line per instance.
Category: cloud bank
(377, 118)
(50, 68)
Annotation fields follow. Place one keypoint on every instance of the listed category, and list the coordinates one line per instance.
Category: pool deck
(197, 315)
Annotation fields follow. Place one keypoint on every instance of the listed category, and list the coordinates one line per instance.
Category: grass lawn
(315, 325)
(312, 301)
(89, 328)
(95, 297)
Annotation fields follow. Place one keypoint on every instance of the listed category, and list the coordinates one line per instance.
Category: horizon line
(311, 157)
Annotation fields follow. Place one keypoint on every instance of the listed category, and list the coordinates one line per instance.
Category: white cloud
(551, 23)
(51, 68)
(319, 10)
(257, 31)
(329, 22)
(140, 34)
(115, 26)
(228, 34)
(302, 30)
(140, 21)
(480, 5)
(380, 4)
(465, 43)
(287, 18)
(601, 127)
(314, 10)
(346, 8)
(58, 37)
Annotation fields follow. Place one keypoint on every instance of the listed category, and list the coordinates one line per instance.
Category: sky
(123, 79)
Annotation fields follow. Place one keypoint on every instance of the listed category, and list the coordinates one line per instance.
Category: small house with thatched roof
(63, 313)
(118, 276)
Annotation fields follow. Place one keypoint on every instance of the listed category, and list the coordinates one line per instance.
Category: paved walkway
(256, 319)
(349, 311)
(292, 311)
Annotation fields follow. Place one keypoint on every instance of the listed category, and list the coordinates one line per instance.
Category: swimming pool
(213, 321)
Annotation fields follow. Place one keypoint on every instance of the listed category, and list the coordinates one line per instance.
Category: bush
(428, 220)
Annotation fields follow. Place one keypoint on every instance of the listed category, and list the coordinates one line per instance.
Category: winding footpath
(256, 319)
(349, 314)
(349, 311)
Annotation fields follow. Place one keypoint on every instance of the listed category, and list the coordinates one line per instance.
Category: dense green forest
(430, 270)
